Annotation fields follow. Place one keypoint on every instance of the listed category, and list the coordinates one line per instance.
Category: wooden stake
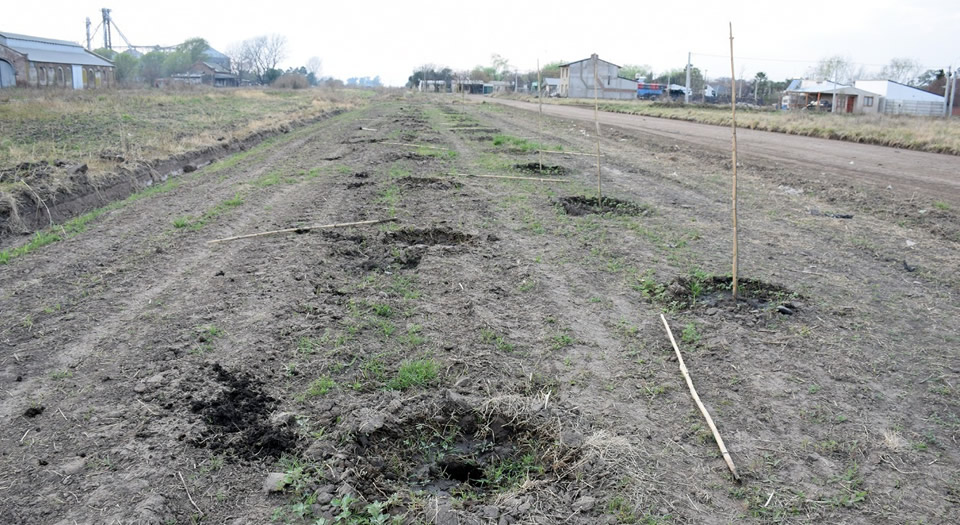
(415, 145)
(566, 152)
(302, 229)
(733, 125)
(696, 398)
(540, 119)
(188, 494)
(511, 178)
(596, 120)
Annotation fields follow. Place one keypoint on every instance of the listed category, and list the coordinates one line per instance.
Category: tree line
(255, 60)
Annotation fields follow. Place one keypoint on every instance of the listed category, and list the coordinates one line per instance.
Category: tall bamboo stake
(596, 120)
(733, 124)
(540, 119)
(703, 409)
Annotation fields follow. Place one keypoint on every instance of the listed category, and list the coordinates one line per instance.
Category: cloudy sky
(391, 38)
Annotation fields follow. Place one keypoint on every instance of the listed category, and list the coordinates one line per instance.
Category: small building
(577, 80)
(471, 87)
(823, 95)
(30, 61)
(212, 74)
(895, 98)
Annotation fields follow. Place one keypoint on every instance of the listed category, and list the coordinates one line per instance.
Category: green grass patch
(414, 373)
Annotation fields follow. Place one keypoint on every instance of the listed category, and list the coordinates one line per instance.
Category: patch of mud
(237, 418)
(428, 182)
(534, 167)
(579, 205)
(428, 237)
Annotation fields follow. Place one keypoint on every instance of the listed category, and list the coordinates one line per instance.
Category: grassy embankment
(916, 133)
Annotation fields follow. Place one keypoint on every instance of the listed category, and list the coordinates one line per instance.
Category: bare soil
(489, 357)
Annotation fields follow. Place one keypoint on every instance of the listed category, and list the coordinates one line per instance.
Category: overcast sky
(391, 38)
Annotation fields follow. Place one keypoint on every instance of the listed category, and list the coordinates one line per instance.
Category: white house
(901, 99)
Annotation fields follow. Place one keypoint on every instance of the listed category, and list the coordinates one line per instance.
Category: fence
(911, 107)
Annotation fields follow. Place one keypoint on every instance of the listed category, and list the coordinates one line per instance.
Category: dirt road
(907, 171)
(495, 355)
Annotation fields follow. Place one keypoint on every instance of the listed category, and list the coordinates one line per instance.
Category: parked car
(823, 105)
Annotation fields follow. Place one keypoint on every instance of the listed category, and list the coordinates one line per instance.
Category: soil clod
(428, 236)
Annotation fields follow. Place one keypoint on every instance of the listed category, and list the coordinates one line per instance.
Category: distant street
(907, 171)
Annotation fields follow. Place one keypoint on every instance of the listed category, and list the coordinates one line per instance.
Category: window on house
(52, 79)
(867, 101)
(42, 75)
(60, 75)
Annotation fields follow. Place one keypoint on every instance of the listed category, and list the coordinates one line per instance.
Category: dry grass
(145, 124)
(916, 133)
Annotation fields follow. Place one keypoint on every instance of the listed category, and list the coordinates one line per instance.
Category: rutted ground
(494, 355)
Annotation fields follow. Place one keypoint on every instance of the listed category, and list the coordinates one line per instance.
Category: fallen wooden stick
(703, 409)
(566, 152)
(511, 178)
(302, 229)
(188, 494)
(366, 129)
(415, 145)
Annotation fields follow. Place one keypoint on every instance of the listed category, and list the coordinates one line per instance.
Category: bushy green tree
(151, 66)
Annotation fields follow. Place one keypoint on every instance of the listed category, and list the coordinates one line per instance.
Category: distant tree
(270, 75)
(835, 69)
(275, 50)
(632, 70)
(194, 48)
(551, 70)
(500, 64)
(483, 74)
(315, 66)
(262, 54)
(239, 59)
(760, 82)
(178, 61)
(151, 66)
(902, 70)
(291, 80)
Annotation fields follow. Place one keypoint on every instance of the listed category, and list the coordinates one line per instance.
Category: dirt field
(496, 354)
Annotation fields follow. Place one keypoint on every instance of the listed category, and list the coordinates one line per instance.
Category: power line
(781, 60)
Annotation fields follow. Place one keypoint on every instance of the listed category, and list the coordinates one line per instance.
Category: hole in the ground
(715, 291)
(360, 184)
(462, 471)
(534, 167)
(579, 205)
(428, 236)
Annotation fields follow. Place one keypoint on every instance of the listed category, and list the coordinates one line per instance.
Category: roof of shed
(587, 60)
(40, 49)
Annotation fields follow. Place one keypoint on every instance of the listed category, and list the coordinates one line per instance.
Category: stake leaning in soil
(696, 398)
(566, 152)
(733, 124)
(511, 178)
(302, 229)
(540, 117)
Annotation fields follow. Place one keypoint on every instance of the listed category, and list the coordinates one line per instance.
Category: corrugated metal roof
(16, 36)
(55, 51)
(587, 60)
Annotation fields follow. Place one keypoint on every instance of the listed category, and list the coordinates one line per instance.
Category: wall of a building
(18, 62)
(580, 83)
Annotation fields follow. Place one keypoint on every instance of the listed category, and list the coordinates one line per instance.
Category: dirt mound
(428, 236)
(534, 167)
(237, 418)
(579, 205)
(428, 182)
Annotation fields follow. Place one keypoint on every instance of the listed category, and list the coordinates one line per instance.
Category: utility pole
(686, 95)
(953, 94)
(947, 110)
(88, 34)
